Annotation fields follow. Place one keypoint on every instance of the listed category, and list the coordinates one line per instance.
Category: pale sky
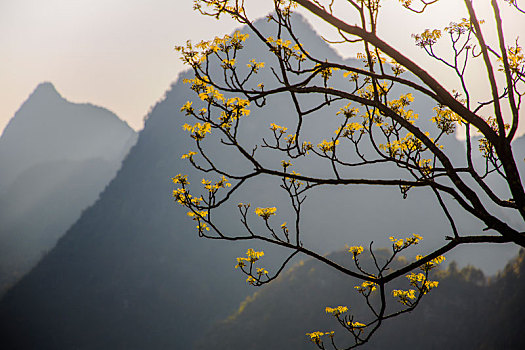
(119, 54)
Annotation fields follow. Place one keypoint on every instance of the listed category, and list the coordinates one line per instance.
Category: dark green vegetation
(132, 274)
(467, 311)
(55, 158)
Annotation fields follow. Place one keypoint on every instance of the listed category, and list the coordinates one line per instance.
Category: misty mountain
(49, 128)
(131, 273)
(466, 311)
(55, 158)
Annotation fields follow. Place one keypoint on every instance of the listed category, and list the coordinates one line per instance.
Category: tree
(376, 127)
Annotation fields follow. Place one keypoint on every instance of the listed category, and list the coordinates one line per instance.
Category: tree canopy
(374, 127)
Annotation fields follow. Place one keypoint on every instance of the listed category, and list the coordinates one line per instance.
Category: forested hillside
(468, 310)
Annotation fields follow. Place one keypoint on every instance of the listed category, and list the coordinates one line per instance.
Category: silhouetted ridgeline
(55, 159)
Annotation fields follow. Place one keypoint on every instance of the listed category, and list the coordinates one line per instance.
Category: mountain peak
(47, 89)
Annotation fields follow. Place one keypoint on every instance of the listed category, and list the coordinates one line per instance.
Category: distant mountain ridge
(49, 128)
(55, 158)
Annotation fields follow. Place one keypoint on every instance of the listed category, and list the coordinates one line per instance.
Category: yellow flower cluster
(399, 148)
(196, 55)
(222, 183)
(290, 139)
(197, 84)
(261, 271)
(402, 243)
(516, 59)
(211, 94)
(188, 155)
(421, 282)
(370, 90)
(405, 296)
(181, 196)
(198, 214)
(325, 72)
(346, 111)
(202, 226)
(184, 198)
(316, 336)
(198, 131)
(252, 256)
(357, 325)
(461, 27)
(187, 107)
(373, 56)
(425, 166)
(366, 286)
(399, 106)
(255, 66)
(353, 76)
(238, 107)
(228, 64)
(287, 51)
(180, 179)
(307, 146)
(445, 119)
(427, 38)
(278, 128)
(349, 129)
(285, 164)
(336, 311)
(265, 213)
(294, 181)
(432, 263)
(355, 250)
(327, 146)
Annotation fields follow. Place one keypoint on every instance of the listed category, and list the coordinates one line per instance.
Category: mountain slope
(466, 311)
(55, 158)
(49, 128)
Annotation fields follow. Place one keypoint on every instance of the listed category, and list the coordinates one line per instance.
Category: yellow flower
(290, 139)
(197, 215)
(241, 262)
(265, 213)
(181, 179)
(366, 286)
(275, 127)
(315, 336)
(202, 226)
(261, 271)
(198, 130)
(188, 155)
(432, 263)
(336, 311)
(355, 250)
(187, 107)
(255, 66)
(327, 146)
(228, 63)
(253, 256)
(251, 280)
(405, 296)
(357, 324)
(285, 164)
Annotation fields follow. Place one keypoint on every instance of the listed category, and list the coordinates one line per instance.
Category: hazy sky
(119, 53)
